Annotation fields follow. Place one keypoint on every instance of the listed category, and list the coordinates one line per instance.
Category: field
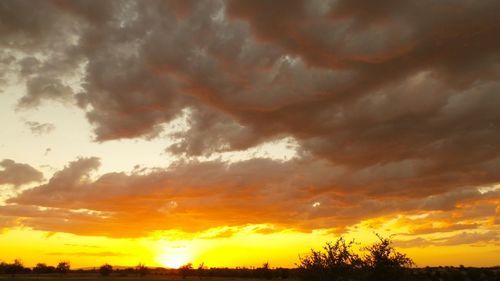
(91, 277)
(424, 274)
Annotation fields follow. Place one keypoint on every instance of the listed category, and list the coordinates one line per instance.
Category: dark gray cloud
(18, 173)
(41, 88)
(389, 101)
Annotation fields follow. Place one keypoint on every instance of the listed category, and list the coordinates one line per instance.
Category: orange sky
(241, 132)
(243, 248)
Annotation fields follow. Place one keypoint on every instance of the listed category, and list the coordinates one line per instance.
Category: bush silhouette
(63, 267)
(264, 271)
(337, 262)
(201, 270)
(385, 263)
(14, 268)
(42, 268)
(141, 269)
(105, 269)
(186, 270)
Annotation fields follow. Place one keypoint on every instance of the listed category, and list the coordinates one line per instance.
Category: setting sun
(173, 257)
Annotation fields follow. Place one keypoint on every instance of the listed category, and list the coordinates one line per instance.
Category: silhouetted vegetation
(186, 270)
(264, 271)
(42, 268)
(204, 273)
(334, 262)
(337, 261)
(63, 267)
(141, 269)
(105, 269)
(201, 270)
(13, 268)
(385, 263)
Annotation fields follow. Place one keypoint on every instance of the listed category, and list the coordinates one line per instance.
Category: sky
(241, 132)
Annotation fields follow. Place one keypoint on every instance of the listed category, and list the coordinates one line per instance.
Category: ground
(91, 277)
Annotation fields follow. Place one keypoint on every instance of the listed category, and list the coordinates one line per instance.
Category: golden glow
(172, 261)
(244, 248)
(173, 257)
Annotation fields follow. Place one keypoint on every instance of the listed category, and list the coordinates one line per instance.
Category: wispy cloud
(87, 254)
(40, 128)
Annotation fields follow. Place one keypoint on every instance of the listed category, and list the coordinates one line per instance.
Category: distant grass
(92, 277)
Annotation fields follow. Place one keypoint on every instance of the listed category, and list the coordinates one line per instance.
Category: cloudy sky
(172, 131)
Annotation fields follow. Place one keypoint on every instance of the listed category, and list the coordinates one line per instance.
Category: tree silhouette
(385, 262)
(105, 269)
(42, 268)
(336, 262)
(14, 268)
(63, 267)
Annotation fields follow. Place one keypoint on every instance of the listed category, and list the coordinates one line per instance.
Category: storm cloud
(394, 107)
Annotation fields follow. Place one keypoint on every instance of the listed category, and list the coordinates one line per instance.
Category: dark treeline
(426, 274)
(17, 267)
(335, 262)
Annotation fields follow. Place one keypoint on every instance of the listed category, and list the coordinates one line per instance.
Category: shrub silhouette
(42, 268)
(264, 271)
(186, 270)
(141, 269)
(337, 262)
(63, 267)
(14, 268)
(385, 263)
(105, 269)
(201, 270)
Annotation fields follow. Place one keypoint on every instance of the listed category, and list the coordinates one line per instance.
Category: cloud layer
(18, 173)
(394, 107)
(195, 196)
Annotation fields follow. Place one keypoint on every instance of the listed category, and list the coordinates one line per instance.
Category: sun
(173, 258)
(172, 262)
